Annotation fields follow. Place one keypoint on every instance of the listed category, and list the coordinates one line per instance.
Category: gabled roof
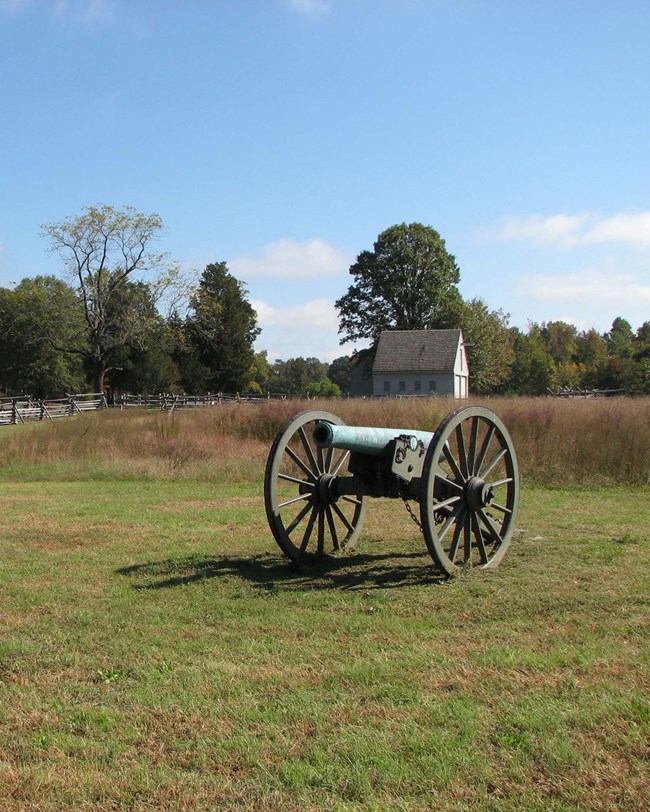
(417, 350)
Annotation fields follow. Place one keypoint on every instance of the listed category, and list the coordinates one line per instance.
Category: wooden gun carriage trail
(464, 477)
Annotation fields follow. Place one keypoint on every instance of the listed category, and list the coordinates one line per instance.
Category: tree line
(125, 319)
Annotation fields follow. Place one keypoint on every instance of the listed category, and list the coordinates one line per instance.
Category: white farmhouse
(415, 362)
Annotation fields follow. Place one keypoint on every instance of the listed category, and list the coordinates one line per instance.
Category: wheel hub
(478, 493)
(325, 490)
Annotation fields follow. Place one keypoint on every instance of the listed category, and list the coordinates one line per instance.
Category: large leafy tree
(222, 327)
(407, 282)
(37, 317)
(102, 249)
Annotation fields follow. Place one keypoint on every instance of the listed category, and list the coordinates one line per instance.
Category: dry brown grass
(558, 442)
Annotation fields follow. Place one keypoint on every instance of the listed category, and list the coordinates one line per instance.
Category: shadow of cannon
(272, 573)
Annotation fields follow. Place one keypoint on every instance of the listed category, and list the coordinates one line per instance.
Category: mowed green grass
(158, 652)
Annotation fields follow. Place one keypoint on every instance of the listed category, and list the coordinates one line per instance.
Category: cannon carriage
(320, 475)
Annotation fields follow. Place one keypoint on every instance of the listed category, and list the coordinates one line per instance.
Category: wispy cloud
(574, 230)
(310, 6)
(92, 11)
(287, 259)
(99, 11)
(11, 6)
(590, 287)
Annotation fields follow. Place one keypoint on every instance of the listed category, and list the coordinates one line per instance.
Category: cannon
(320, 475)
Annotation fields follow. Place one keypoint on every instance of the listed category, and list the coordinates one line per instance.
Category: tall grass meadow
(558, 442)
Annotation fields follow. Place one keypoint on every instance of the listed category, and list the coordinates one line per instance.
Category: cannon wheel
(303, 510)
(470, 491)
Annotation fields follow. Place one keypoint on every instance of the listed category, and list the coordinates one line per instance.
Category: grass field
(157, 652)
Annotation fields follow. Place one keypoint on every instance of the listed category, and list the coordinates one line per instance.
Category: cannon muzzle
(363, 439)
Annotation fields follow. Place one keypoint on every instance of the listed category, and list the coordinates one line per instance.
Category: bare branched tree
(104, 250)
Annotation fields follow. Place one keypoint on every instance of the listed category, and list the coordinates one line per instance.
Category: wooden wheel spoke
(478, 535)
(467, 538)
(339, 463)
(490, 525)
(485, 446)
(455, 541)
(308, 450)
(332, 527)
(458, 474)
(295, 499)
(311, 473)
(497, 459)
(321, 530)
(308, 530)
(500, 508)
(462, 452)
(446, 503)
(473, 440)
(343, 517)
(454, 517)
(298, 518)
(303, 482)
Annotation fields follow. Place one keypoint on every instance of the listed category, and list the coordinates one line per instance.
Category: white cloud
(307, 330)
(286, 259)
(319, 314)
(570, 231)
(589, 288)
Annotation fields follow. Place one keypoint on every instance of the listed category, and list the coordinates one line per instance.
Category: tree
(222, 325)
(560, 340)
(591, 357)
(339, 372)
(147, 365)
(102, 249)
(324, 389)
(35, 317)
(489, 345)
(407, 282)
(533, 370)
(620, 339)
(296, 375)
(260, 372)
(642, 341)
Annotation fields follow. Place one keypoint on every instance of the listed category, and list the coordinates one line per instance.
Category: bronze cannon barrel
(363, 439)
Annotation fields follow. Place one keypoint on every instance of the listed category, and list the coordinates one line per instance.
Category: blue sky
(282, 136)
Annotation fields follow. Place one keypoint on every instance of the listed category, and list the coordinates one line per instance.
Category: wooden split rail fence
(170, 403)
(25, 408)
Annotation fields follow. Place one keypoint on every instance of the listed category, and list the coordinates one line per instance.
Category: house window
(417, 386)
(386, 386)
(432, 386)
(402, 386)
